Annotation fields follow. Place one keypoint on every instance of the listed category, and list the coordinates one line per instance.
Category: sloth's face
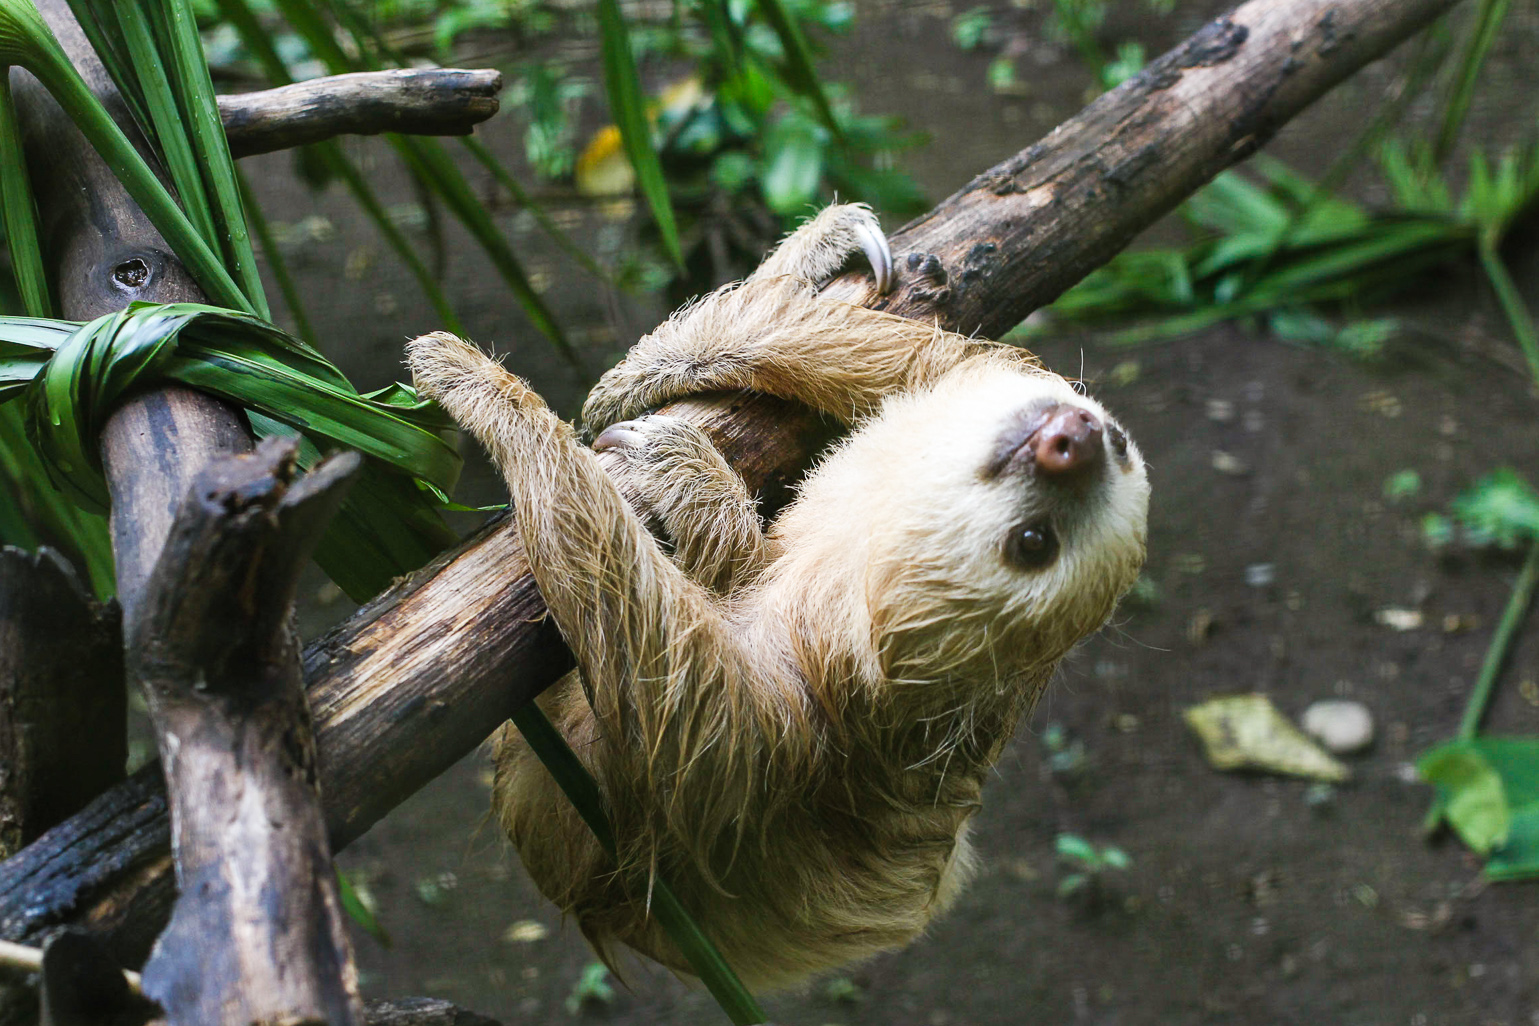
(1003, 514)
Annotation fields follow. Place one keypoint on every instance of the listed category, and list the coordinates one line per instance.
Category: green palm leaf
(627, 105)
(71, 375)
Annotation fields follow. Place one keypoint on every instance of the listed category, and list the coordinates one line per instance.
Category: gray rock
(1341, 727)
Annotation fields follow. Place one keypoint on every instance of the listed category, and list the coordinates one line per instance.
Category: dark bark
(61, 696)
(421, 675)
(81, 985)
(258, 934)
(432, 101)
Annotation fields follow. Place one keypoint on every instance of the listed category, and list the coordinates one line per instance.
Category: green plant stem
(275, 260)
(522, 198)
(205, 129)
(547, 743)
(1487, 22)
(1501, 641)
(165, 116)
(1512, 303)
(20, 210)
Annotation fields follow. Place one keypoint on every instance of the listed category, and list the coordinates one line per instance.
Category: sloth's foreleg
(642, 632)
(671, 473)
(821, 246)
(776, 336)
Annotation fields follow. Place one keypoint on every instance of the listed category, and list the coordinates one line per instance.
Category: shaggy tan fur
(792, 729)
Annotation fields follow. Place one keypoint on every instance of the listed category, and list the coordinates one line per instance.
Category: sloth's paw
(819, 249)
(663, 464)
(688, 497)
(653, 440)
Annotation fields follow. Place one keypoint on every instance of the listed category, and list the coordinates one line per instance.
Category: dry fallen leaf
(1246, 732)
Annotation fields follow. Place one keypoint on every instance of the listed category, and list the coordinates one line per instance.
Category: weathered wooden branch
(61, 696)
(421, 675)
(430, 101)
(103, 254)
(258, 934)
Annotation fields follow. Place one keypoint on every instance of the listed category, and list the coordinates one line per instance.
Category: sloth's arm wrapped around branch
(671, 474)
(642, 632)
(774, 335)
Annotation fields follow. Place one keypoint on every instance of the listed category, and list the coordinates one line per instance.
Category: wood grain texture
(414, 101)
(258, 933)
(61, 696)
(422, 674)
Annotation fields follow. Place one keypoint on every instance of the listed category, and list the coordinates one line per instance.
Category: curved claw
(874, 244)
(625, 434)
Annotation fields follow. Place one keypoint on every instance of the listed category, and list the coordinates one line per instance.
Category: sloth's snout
(1068, 442)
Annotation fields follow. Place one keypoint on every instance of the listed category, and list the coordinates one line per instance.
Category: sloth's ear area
(820, 248)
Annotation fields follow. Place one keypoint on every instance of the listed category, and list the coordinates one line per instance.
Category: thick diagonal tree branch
(421, 675)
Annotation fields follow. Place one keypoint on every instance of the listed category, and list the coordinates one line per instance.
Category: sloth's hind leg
(674, 477)
(818, 249)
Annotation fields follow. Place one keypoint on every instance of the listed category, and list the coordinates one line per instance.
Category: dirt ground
(1249, 899)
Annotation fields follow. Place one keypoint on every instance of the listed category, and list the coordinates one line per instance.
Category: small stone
(525, 931)
(1220, 410)
(1228, 463)
(1343, 727)
(1399, 619)
(1260, 575)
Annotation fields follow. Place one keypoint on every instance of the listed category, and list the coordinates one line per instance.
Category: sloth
(793, 728)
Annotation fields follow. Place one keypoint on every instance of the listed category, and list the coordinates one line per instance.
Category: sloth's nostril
(1069, 441)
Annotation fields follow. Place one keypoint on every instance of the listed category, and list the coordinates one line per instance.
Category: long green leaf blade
(276, 261)
(522, 198)
(1487, 23)
(255, 39)
(160, 99)
(429, 161)
(583, 792)
(19, 209)
(627, 106)
(798, 71)
(205, 131)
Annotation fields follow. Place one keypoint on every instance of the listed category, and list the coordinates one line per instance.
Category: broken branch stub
(412, 101)
(421, 675)
(258, 934)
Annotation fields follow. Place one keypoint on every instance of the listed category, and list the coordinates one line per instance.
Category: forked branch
(258, 934)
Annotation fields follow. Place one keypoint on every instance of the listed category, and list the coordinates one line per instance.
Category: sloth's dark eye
(1119, 442)
(1032, 546)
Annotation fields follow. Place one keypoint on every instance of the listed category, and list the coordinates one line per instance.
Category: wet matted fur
(793, 728)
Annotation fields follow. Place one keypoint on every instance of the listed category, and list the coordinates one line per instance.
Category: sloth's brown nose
(1069, 442)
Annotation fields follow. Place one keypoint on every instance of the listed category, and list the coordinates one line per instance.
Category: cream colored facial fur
(793, 729)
